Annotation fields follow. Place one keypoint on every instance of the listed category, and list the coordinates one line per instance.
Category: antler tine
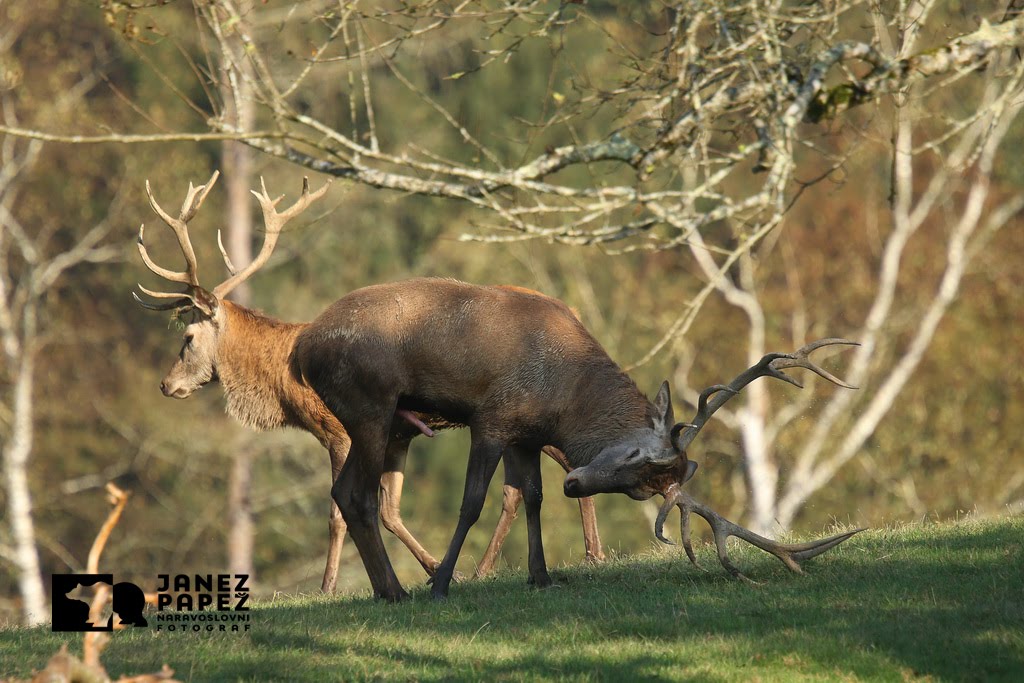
(180, 299)
(193, 200)
(770, 365)
(800, 359)
(273, 222)
(305, 199)
(671, 498)
(224, 252)
(173, 276)
(161, 307)
(165, 295)
(684, 532)
(791, 555)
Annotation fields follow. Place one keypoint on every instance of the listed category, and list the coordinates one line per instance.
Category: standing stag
(254, 358)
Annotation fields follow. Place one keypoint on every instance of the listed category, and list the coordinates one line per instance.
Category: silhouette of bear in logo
(69, 614)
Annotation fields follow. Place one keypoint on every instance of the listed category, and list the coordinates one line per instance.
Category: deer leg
(527, 463)
(337, 525)
(391, 497)
(511, 497)
(588, 513)
(338, 530)
(591, 536)
(484, 455)
(356, 492)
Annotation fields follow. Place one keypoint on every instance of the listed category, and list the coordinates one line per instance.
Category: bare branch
(134, 139)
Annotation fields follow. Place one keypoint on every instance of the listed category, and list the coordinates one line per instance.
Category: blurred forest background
(639, 161)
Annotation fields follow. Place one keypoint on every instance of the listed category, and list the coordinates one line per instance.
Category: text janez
(199, 592)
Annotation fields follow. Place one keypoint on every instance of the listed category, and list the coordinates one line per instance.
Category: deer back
(501, 358)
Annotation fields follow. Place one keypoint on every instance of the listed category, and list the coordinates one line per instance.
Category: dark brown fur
(516, 367)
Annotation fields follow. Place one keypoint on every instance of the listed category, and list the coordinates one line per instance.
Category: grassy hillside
(933, 602)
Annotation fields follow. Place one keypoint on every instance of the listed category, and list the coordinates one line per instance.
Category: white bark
(762, 473)
(238, 165)
(18, 331)
(19, 495)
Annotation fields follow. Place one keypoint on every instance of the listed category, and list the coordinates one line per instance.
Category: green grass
(938, 602)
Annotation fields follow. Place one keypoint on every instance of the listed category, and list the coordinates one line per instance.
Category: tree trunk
(238, 171)
(19, 497)
(762, 474)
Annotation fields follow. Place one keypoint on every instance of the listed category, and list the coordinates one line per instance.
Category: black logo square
(68, 614)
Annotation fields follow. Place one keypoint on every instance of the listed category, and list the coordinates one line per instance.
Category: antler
(190, 276)
(791, 554)
(195, 295)
(710, 400)
(193, 200)
(771, 365)
(273, 222)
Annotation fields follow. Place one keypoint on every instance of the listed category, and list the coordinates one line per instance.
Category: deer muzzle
(172, 391)
(572, 487)
(583, 482)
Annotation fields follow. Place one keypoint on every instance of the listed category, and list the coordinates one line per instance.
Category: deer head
(641, 464)
(623, 468)
(197, 361)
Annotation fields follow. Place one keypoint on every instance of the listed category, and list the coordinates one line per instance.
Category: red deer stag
(604, 473)
(519, 370)
(253, 358)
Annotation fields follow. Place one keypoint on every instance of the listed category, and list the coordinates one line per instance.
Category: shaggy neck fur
(252, 363)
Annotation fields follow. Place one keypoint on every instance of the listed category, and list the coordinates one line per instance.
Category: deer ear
(683, 469)
(691, 467)
(663, 405)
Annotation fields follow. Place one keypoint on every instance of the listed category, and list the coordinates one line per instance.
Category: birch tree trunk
(239, 112)
(19, 496)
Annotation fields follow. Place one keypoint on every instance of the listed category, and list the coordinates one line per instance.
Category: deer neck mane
(607, 407)
(252, 364)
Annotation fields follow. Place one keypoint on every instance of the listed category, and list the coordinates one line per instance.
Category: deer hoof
(541, 581)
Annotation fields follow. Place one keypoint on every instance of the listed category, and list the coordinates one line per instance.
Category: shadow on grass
(945, 602)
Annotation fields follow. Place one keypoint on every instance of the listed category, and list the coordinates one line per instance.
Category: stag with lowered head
(253, 358)
(604, 473)
(519, 370)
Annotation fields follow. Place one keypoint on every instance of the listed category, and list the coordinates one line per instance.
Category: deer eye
(188, 339)
(634, 455)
